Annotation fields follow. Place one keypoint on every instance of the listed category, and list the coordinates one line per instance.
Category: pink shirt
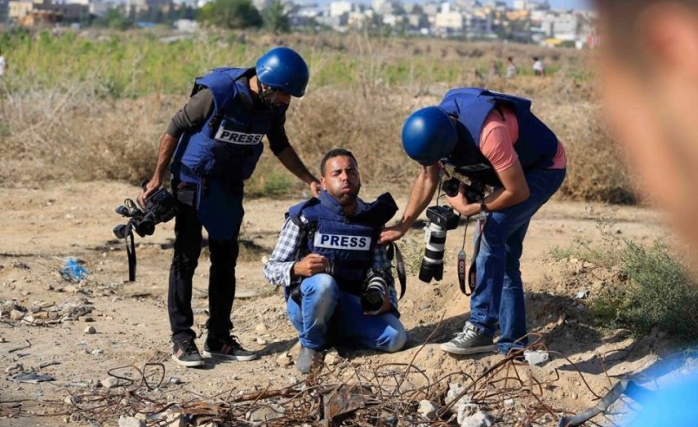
(499, 136)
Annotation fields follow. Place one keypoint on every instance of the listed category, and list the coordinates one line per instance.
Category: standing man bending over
(212, 146)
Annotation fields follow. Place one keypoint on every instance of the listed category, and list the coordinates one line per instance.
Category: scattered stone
(264, 413)
(110, 382)
(261, 328)
(12, 369)
(90, 330)
(332, 358)
(86, 319)
(97, 352)
(175, 380)
(16, 315)
(537, 357)
(261, 341)
(427, 409)
(284, 360)
(130, 422)
(3, 340)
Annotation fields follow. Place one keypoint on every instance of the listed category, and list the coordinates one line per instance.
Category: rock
(13, 369)
(284, 360)
(130, 422)
(90, 330)
(110, 382)
(261, 341)
(260, 328)
(537, 357)
(264, 413)
(16, 315)
(427, 409)
(332, 358)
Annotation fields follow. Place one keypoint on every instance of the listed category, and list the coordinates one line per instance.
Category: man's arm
(283, 269)
(168, 143)
(192, 115)
(423, 190)
(293, 163)
(277, 270)
(514, 190)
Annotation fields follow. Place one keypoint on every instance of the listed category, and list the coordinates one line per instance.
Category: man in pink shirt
(489, 139)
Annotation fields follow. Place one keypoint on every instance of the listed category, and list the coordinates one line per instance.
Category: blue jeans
(329, 312)
(498, 296)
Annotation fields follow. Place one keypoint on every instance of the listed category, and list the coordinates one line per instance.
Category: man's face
(275, 96)
(341, 179)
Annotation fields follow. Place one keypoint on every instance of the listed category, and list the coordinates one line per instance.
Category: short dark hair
(336, 152)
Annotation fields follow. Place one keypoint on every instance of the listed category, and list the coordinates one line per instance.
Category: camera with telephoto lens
(474, 192)
(160, 206)
(375, 287)
(442, 219)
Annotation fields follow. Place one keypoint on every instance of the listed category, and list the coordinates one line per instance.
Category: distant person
(649, 53)
(512, 69)
(538, 67)
(327, 250)
(3, 65)
(494, 70)
(211, 147)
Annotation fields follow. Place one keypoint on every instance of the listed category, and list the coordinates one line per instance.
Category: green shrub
(659, 293)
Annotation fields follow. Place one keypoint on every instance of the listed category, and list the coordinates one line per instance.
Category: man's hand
(384, 308)
(391, 234)
(149, 189)
(310, 265)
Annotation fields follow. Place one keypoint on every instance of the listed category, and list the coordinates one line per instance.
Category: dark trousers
(221, 284)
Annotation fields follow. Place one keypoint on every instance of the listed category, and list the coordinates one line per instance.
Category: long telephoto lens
(433, 262)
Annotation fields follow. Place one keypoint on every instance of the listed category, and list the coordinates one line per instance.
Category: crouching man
(338, 284)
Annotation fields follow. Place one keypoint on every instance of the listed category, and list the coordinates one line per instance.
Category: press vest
(347, 242)
(536, 146)
(224, 151)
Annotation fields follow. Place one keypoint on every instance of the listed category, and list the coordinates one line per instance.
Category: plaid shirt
(277, 270)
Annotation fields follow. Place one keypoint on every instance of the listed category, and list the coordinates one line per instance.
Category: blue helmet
(283, 69)
(429, 135)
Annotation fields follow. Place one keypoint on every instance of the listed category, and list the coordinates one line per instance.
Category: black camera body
(474, 192)
(442, 219)
(160, 206)
(375, 286)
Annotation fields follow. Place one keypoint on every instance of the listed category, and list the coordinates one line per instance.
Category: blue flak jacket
(536, 146)
(348, 242)
(220, 155)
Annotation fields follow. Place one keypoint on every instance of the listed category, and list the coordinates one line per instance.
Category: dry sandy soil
(40, 227)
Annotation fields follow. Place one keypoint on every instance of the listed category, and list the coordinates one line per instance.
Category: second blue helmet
(429, 135)
(282, 68)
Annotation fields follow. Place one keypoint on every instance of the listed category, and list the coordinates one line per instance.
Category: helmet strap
(266, 95)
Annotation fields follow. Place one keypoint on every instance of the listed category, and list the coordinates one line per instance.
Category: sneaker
(186, 354)
(228, 348)
(470, 341)
(307, 358)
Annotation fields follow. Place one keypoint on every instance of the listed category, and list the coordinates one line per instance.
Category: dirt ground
(42, 226)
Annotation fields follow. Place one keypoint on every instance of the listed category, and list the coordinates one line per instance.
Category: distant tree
(231, 14)
(114, 18)
(276, 18)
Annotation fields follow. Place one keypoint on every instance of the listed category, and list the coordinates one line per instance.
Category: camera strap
(393, 249)
(472, 271)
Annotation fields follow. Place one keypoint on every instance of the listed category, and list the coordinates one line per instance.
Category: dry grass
(76, 131)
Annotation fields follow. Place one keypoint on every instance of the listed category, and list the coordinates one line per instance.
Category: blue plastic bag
(73, 270)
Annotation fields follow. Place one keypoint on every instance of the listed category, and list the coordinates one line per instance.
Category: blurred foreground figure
(650, 67)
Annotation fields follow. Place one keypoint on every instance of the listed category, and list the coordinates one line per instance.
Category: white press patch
(339, 241)
(238, 137)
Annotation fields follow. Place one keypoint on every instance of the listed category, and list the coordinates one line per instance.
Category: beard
(349, 198)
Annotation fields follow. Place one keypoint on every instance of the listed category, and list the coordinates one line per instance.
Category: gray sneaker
(307, 358)
(470, 341)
